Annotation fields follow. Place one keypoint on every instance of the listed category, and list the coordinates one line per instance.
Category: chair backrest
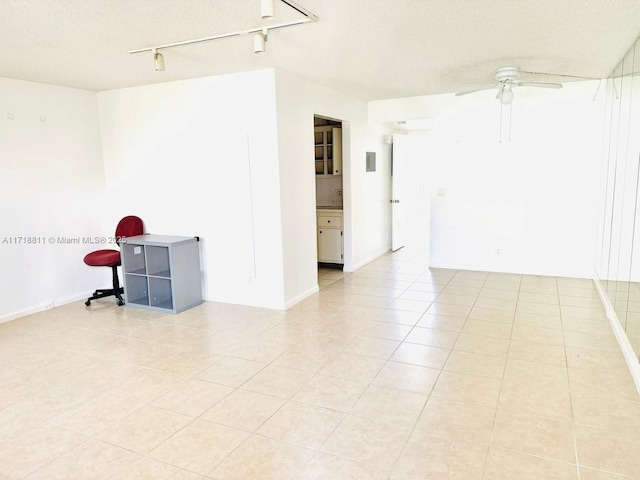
(129, 226)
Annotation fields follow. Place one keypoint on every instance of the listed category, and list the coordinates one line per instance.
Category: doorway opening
(327, 145)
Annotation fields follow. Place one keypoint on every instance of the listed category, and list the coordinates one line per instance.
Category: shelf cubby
(162, 272)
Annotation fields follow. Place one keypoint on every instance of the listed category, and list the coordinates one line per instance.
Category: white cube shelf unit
(161, 272)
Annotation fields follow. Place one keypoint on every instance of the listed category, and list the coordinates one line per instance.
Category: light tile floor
(396, 371)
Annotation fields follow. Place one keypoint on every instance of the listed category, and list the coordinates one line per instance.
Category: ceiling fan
(508, 78)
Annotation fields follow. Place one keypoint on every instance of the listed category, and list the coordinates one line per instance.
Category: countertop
(329, 208)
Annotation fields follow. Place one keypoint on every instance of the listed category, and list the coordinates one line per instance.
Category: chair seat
(128, 226)
(103, 258)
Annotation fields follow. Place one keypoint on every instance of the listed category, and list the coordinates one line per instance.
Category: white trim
(43, 307)
(353, 268)
(627, 350)
(73, 298)
(301, 297)
(24, 313)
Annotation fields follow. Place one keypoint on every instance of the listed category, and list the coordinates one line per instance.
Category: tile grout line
(345, 414)
(566, 360)
(504, 369)
(428, 396)
(411, 428)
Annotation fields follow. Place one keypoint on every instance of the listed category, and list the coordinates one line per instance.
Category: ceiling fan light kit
(260, 34)
(508, 78)
(506, 95)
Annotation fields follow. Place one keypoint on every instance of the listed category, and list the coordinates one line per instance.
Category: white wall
(369, 195)
(533, 198)
(228, 158)
(196, 157)
(199, 157)
(51, 185)
(366, 207)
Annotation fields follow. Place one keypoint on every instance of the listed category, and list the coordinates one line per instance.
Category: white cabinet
(328, 150)
(161, 272)
(330, 245)
(330, 236)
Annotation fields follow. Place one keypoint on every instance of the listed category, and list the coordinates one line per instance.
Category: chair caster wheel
(120, 303)
(88, 303)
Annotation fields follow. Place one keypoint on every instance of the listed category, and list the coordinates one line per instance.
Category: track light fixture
(158, 61)
(259, 41)
(267, 8)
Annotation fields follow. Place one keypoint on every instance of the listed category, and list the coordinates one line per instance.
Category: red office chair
(127, 227)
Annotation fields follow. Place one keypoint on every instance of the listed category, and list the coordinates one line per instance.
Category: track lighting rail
(307, 18)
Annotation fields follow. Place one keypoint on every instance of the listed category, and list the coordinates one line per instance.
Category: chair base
(116, 291)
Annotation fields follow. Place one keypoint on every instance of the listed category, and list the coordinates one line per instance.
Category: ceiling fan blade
(538, 84)
(476, 90)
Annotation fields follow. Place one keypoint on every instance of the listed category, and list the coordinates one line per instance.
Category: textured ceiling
(373, 49)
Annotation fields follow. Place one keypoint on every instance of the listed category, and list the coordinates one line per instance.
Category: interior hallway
(395, 371)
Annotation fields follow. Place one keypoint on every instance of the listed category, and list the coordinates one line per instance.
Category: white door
(400, 154)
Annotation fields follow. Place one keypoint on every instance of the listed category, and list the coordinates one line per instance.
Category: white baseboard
(316, 289)
(43, 307)
(451, 266)
(353, 268)
(301, 297)
(73, 298)
(24, 313)
(627, 350)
